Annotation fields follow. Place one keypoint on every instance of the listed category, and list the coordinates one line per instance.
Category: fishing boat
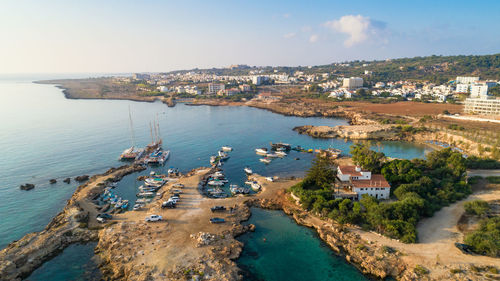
(248, 171)
(145, 194)
(265, 160)
(281, 145)
(272, 155)
(216, 183)
(213, 159)
(281, 153)
(158, 157)
(223, 156)
(261, 151)
(138, 206)
(227, 148)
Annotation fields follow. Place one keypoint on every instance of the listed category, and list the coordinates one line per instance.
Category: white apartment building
(353, 82)
(462, 88)
(257, 80)
(483, 106)
(213, 88)
(478, 91)
(466, 79)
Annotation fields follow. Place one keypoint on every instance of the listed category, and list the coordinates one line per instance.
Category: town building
(214, 88)
(245, 88)
(482, 106)
(478, 91)
(257, 80)
(466, 79)
(462, 88)
(353, 82)
(353, 182)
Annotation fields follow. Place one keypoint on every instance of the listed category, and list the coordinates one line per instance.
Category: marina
(74, 133)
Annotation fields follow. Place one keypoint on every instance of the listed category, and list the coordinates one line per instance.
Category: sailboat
(131, 154)
(158, 156)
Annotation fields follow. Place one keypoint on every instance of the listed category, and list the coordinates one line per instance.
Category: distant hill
(438, 69)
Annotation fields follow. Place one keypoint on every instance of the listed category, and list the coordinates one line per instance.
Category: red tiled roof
(375, 181)
(350, 170)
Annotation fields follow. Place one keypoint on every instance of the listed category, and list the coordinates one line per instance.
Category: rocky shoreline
(71, 225)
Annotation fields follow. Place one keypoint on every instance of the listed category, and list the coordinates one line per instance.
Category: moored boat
(261, 151)
(227, 148)
(265, 160)
(248, 171)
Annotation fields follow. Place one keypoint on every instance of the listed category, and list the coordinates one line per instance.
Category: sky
(56, 36)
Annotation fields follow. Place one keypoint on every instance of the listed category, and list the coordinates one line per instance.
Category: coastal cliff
(354, 132)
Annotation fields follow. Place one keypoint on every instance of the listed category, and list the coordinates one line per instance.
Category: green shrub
(477, 207)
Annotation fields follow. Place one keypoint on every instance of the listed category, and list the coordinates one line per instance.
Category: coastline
(128, 248)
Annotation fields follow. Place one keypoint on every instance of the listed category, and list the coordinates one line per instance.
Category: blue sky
(134, 36)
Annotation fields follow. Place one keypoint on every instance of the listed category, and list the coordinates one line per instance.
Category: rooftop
(376, 181)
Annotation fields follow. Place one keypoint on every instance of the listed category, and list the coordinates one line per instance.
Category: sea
(44, 136)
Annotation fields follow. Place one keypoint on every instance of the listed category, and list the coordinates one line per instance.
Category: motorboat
(281, 153)
(248, 171)
(223, 156)
(227, 148)
(272, 155)
(281, 145)
(216, 183)
(137, 207)
(261, 151)
(145, 194)
(265, 160)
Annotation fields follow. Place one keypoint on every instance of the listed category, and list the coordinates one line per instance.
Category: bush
(474, 162)
(477, 207)
(420, 270)
(486, 239)
(495, 180)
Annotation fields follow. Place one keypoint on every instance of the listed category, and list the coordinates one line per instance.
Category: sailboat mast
(151, 133)
(132, 135)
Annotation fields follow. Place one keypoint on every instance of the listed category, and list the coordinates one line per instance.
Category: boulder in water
(82, 178)
(27, 186)
(67, 180)
(52, 181)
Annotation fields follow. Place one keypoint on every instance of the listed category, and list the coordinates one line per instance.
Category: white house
(353, 82)
(356, 182)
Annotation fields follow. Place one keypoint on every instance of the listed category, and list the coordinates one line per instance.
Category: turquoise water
(280, 250)
(44, 135)
(77, 262)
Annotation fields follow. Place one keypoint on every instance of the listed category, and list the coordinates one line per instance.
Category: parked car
(101, 220)
(178, 185)
(218, 208)
(152, 218)
(168, 204)
(177, 191)
(174, 199)
(217, 220)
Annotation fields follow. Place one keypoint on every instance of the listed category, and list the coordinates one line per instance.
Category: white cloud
(289, 35)
(359, 28)
(313, 38)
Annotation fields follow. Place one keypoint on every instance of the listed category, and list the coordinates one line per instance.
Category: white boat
(223, 156)
(281, 153)
(262, 151)
(138, 207)
(218, 174)
(271, 179)
(265, 160)
(255, 186)
(248, 170)
(227, 148)
(249, 182)
(145, 194)
(272, 155)
(213, 159)
(216, 183)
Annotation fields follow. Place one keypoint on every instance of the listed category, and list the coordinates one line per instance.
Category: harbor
(183, 126)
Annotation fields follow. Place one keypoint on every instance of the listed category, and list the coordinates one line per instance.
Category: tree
(321, 174)
(365, 157)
